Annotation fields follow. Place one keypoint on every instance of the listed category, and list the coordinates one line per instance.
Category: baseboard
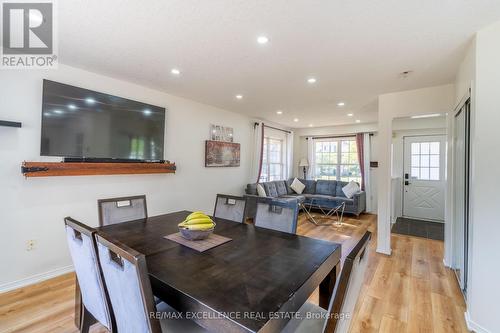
(472, 326)
(35, 279)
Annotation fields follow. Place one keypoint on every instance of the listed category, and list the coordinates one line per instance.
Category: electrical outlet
(30, 245)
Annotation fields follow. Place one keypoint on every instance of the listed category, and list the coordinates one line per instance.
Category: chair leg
(86, 320)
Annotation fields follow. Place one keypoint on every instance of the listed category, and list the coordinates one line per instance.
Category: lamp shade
(303, 162)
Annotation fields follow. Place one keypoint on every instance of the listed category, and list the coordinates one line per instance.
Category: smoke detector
(405, 74)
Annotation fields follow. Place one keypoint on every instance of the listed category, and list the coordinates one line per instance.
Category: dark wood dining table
(251, 284)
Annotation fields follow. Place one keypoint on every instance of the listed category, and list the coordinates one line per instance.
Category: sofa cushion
(261, 191)
(348, 202)
(270, 188)
(281, 187)
(251, 189)
(297, 186)
(339, 192)
(351, 189)
(310, 186)
(326, 187)
(288, 184)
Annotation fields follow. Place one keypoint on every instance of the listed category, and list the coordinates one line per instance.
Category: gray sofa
(326, 193)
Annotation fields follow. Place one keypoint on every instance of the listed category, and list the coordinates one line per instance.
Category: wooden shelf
(48, 169)
(10, 123)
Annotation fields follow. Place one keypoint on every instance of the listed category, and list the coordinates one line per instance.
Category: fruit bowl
(197, 225)
(195, 234)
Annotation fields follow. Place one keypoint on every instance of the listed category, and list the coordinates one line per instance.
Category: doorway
(424, 180)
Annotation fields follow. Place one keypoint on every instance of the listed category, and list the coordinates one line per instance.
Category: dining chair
(117, 210)
(95, 304)
(126, 277)
(277, 214)
(337, 319)
(230, 207)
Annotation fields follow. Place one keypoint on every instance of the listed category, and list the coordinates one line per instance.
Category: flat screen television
(81, 123)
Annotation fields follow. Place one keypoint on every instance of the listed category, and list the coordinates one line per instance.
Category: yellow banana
(202, 220)
(204, 226)
(195, 215)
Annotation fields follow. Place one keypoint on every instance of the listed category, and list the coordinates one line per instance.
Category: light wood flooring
(410, 291)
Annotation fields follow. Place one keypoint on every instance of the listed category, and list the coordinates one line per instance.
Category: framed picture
(222, 154)
(221, 133)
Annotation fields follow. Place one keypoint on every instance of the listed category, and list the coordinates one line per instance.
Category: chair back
(118, 210)
(82, 248)
(348, 287)
(126, 277)
(277, 214)
(230, 207)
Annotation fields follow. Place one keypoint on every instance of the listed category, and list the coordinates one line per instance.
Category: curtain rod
(336, 136)
(275, 128)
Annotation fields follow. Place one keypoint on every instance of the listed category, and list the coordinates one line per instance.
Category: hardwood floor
(410, 291)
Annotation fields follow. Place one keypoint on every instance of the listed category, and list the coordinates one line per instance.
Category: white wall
(483, 292)
(34, 208)
(430, 100)
(300, 148)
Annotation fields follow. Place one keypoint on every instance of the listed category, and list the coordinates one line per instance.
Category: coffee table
(327, 213)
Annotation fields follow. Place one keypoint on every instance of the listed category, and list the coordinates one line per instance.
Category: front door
(424, 177)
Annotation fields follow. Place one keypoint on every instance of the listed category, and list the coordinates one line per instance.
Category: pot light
(296, 119)
(340, 104)
(72, 106)
(279, 112)
(262, 40)
(90, 100)
(310, 125)
(358, 121)
(58, 111)
(239, 96)
(311, 80)
(175, 71)
(426, 116)
(350, 114)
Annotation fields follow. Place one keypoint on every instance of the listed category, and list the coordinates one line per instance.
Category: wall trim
(35, 278)
(472, 326)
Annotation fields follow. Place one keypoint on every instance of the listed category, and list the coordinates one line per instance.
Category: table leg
(327, 285)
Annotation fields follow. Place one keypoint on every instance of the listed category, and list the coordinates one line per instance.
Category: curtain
(258, 150)
(366, 163)
(310, 157)
(289, 156)
(361, 157)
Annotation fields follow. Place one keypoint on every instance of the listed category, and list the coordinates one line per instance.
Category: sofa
(326, 193)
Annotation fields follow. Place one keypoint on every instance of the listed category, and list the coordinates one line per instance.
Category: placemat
(199, 245)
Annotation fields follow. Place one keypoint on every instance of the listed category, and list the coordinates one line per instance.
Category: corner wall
(34, 208)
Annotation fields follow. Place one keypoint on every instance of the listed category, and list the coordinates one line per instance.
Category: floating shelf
(48, 169)
(10, 123)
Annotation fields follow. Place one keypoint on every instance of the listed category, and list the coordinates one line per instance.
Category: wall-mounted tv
(82, 123)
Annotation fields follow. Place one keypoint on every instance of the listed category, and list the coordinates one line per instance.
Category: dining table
(253, 283)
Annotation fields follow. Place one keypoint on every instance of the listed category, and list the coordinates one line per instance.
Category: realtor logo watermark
(28, 35)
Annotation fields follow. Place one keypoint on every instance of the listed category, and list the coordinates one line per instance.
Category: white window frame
(266, 165)
(338, 165)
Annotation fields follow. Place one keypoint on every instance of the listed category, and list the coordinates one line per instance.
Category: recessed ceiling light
(358, 121)
(47, 114)
(59, 111)
(296, 119)
(147, 112)
(340, 104)
(262, 40)
(279, 112)
(350, 114)
(311, 80)
(90, 100)
(72, 107)
(239, 96)
(310, 125)
(426, 116)
(175, 71)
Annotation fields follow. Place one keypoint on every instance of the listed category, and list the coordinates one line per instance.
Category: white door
(424, 177)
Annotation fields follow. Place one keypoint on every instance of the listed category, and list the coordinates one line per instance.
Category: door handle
(407, 183)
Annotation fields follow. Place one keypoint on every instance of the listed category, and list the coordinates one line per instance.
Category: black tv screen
(82, 123)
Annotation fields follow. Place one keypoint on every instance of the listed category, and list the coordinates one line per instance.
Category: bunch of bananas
(197, 221)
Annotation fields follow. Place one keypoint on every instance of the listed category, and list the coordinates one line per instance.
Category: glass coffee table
(327, 216)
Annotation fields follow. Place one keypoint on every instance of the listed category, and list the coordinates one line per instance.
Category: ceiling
(355, 50)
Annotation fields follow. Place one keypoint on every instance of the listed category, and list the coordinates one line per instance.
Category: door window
(425, 163)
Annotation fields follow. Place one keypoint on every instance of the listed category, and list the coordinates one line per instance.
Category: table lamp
(304, 164)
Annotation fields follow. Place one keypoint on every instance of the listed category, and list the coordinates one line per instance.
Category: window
(425, 160)
(336, 159)
(273, 157)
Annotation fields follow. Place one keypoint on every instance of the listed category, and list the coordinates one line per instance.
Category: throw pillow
(351, 189)
(260, 191)
(297, 186)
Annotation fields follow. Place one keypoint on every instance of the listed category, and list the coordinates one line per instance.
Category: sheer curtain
(258, 137)
(310, 157)
(289, 156)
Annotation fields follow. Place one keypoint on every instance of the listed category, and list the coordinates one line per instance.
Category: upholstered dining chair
(230, 207)
(338, 317)
(277, 214)
(126, 277)
(118, 210)
(95, 302)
